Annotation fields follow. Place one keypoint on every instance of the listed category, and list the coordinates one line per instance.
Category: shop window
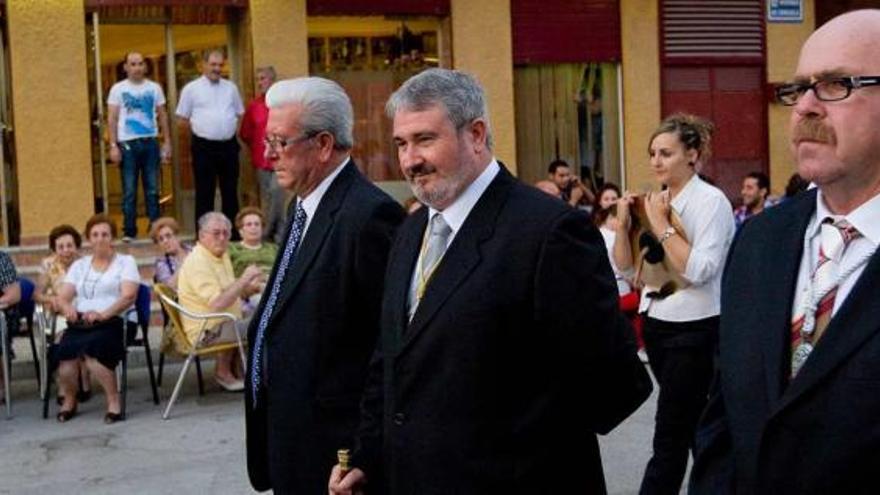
(370, 58)
(568, 112)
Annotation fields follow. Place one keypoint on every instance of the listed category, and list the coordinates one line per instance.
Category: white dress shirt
(311, 202)
(213, 108)
(456, 213)
(864, 219)
(708, 223)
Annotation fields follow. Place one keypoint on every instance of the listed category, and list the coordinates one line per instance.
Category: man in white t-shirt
(211, 106)
(136, 105)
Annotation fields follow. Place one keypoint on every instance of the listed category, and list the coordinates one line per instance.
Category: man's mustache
(418, 171)
(812, 129)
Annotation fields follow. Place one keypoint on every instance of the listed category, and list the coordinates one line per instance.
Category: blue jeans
(139, 156)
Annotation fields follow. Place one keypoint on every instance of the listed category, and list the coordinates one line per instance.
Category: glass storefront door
(172, 53)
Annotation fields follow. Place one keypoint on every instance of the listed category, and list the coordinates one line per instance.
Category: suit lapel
(314, 238)
(785, 261)
(462, 256)
(400, 271)
(857, 320)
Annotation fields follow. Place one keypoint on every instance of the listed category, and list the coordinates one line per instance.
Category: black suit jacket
(515, 358)
(320, 338)
(818, 434)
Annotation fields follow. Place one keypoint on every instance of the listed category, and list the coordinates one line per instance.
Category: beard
(753, 203)
(442, 191)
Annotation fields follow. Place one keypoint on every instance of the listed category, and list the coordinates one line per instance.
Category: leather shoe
(65, 416)
(111, 418)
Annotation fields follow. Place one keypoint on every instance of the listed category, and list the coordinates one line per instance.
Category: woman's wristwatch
(669, 232)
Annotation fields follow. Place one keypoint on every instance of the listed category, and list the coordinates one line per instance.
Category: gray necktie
(438, 238)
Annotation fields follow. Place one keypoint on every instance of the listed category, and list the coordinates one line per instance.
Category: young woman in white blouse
(681, 328)
(97, 291)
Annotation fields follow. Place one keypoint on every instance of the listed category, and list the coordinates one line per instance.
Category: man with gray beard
(502, 352)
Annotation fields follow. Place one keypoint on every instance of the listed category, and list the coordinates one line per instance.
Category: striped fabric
(835, 237)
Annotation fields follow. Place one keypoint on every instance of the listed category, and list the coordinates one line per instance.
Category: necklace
(90, 285)
(813, 297)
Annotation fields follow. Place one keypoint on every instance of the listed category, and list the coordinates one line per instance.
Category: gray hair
(326, 107)
(211, 216)
(268, 70)
(456, 92)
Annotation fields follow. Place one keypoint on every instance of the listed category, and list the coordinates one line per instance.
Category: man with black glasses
(796, 398)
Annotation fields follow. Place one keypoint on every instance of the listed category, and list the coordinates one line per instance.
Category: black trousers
(680, 356)
(215, 161)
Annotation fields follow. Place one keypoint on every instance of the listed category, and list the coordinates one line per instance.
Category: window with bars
(704, 30)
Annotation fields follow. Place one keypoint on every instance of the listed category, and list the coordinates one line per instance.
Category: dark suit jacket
(818, 434)
(516, 357)
(320, 338)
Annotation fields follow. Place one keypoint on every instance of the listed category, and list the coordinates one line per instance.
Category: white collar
(310, 203)
(864, 218)
(681, 199)
(456, 213)
(210, 82)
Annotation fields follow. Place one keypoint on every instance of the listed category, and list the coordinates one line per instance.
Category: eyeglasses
(834, 89)
(219, 233)
(278, 144)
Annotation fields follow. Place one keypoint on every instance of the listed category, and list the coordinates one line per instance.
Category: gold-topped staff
(343, 456)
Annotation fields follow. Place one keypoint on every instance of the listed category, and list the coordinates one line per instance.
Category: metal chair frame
(194, 349)
(167, 328)
(27, 307)
(142, 308)
(7, 366)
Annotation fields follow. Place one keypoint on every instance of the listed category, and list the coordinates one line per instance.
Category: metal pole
(171, 106)
(6, 366)
(99, 99)
(620, 129)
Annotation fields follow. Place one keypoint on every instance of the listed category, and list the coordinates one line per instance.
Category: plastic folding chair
(142, 308)
(4, 357)
(26, 308)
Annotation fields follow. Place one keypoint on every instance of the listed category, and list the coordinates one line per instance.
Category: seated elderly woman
(97, 291)
(10, 294)
(64, 241)
(251, 250)
(207, 284)
(167, 267)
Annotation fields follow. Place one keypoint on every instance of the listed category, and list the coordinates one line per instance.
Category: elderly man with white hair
(315, 328)
(207, 284)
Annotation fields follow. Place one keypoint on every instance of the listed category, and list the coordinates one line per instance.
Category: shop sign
(785, 10)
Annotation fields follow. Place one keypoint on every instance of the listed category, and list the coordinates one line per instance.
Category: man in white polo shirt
(136, 104)
(211, 106)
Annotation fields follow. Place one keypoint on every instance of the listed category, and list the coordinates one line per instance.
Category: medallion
(799, 356)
